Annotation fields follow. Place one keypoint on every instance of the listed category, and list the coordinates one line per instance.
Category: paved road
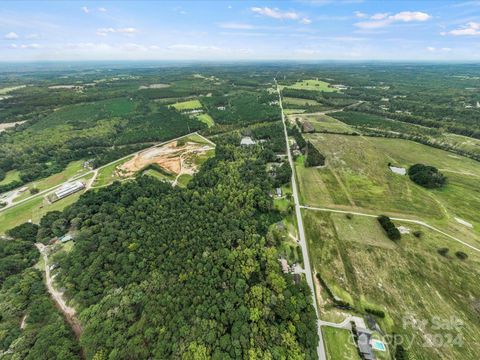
(301, 234)
(418, 222)
(94, 172)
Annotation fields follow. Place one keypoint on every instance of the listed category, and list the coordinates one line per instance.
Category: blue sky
(240, 30)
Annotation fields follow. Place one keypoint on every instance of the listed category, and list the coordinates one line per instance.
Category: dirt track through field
(68, 312)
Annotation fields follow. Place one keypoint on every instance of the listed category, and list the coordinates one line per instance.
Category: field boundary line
(418, 222)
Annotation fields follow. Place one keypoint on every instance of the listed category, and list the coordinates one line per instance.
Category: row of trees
(390, 229)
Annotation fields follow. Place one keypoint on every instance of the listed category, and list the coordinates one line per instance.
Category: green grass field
(368, 122)
(357, 177)
(34, 209)
(12, 175)
(158, 175)
(197, 139)
(325, 123)
(339, 344)
(106, 175)
(187, 105)
(361, 265)
(184, 179)
(312, 84)
(75, 168)
(293, 111)
(298, 101)
(207, 119)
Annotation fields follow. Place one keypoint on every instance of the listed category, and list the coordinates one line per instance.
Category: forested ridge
(161, 272)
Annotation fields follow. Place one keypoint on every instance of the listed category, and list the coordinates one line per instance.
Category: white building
(67, 189)
(247, 141)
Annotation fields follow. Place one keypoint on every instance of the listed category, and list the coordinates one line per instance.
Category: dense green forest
(149, 288)
(30, 326)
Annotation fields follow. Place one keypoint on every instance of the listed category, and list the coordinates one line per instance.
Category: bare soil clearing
(173, 157)
(6, 126)
(154, 86)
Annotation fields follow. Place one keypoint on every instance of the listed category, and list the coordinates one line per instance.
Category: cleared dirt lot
(175, 157)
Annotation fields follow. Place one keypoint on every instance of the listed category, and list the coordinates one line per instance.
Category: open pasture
(298, 101)
(313, 84)
(362, 266)
(188, 105)
(357, 176)
(325, 123)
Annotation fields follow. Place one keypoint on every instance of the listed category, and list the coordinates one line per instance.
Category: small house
(247, 141)
(284, 264)
(363, 344)
(65, 238)
(278, 192)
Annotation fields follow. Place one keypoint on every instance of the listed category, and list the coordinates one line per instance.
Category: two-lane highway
(301, 233)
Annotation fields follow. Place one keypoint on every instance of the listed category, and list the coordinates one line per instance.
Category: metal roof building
(68, 189)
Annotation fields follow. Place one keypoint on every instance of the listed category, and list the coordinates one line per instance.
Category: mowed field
(357, 178)
(324, 123)
(187, 105)
(418, 289)
(298, 101)
(34, 209)
(312, 84)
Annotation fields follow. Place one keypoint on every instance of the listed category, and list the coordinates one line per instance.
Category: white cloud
(191, 47)
(360, 14)
(11, 36)
(25, 46)
(384, 19)
(102, 9)
(408, 16)
(275, 13)
(379, 16)
(105, 31)
(129, 31)
(470, 29)
(85, 9)
(434, 49)
(236, 26)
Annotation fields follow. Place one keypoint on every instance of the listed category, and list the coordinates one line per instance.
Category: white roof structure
(69, 188)
(247, 141)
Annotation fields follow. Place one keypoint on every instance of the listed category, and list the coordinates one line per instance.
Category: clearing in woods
(179, 157)
(323, 123)
(312, 84)
(187, 105)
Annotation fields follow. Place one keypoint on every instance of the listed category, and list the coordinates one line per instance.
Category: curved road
(301, 235)
(94, 172)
